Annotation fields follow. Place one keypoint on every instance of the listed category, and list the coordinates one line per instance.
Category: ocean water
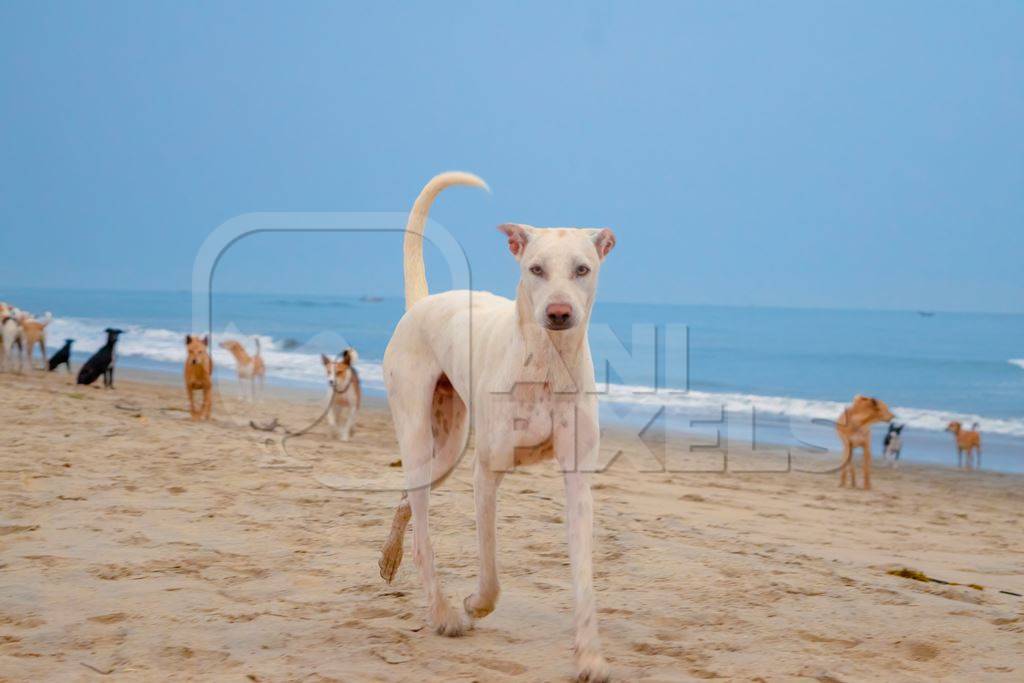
(771, 375)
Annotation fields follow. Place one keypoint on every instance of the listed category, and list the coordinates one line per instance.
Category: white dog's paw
(477, 608)
(591, 667)
(451, 622)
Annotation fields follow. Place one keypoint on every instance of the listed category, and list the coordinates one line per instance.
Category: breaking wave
(302, 364)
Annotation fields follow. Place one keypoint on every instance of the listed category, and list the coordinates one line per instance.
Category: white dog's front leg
(579, 509)
(579, 517)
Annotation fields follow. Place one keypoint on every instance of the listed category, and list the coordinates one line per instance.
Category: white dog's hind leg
(411, 404)
(485, 491)
(446, 620)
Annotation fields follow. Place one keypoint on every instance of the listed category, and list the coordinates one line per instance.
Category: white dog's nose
(559, 315)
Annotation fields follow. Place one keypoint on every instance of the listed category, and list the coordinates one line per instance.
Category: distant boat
(926, 314)
(371, 299)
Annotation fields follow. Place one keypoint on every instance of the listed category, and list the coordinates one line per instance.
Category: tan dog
(967, 441)
(33, 332)
(854, 430)
(198, 371)
(249, 368)
(344, 391)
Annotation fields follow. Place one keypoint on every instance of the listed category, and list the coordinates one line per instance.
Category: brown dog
(854, 430)
(33, 332)
(967, 441)
(198, 370)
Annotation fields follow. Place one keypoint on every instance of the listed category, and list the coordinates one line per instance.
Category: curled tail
(415, 274)
(257, 340)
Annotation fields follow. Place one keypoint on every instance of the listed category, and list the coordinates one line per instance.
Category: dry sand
(135, 544)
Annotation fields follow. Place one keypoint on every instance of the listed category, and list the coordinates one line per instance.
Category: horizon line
(398, 296)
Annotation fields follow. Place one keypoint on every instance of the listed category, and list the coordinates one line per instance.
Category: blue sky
(864, 155)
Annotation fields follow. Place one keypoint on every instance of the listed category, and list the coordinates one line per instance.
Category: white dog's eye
(582, 270)
(537, 270)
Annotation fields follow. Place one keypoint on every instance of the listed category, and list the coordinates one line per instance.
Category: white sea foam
(167, 346)
(1019, 362)
(801, 409)
(303, 364)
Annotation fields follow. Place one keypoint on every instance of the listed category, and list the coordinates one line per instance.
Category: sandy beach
(138, 545)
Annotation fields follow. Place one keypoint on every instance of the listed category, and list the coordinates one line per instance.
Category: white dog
(344, 391)
(522, 370)
(10, 335)
(250, 369)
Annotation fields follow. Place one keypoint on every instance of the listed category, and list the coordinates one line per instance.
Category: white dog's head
(558, 270)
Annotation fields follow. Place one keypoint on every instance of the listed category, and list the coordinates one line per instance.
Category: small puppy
(198, 370)
(893, 443)
(854, 430)
(344, 391)
(250, 368)
(102, 362)
(33, 332)
(967, 441)
(62, 357)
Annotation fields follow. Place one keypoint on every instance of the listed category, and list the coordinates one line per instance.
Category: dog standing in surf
(522, 370)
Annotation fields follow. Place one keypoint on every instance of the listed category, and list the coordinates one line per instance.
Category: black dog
(62, 357)
(101, 363)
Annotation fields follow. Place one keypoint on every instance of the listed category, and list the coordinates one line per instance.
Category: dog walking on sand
(198, 374)
(531, 394)
(344, 392)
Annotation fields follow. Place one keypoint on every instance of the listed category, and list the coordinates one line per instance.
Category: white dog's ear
(604, 240)
(324, 359)
(518, 236)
